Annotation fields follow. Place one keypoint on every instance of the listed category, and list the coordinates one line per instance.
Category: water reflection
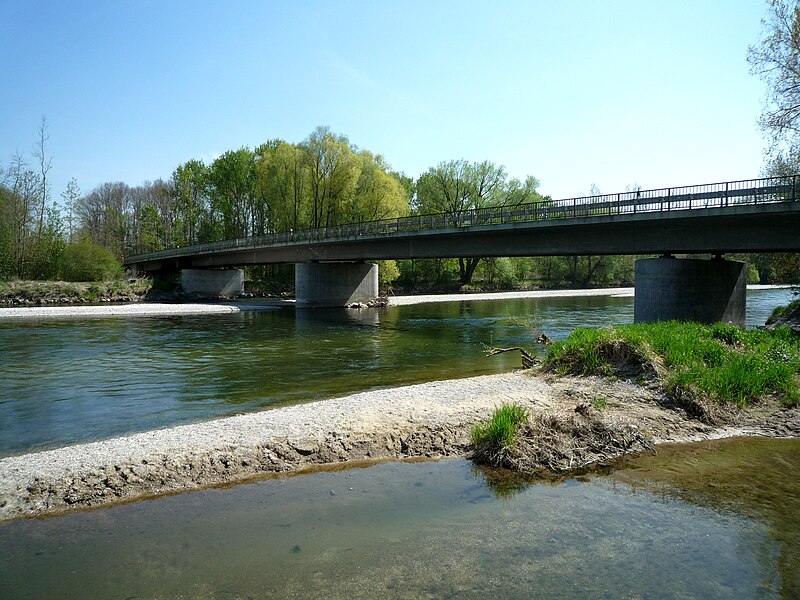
(749, 477)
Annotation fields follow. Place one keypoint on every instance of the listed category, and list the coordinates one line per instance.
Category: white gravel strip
(117, 310)
(404, 300)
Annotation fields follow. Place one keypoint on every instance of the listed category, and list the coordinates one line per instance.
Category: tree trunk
(466, 269)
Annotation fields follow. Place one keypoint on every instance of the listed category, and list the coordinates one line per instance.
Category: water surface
(70, 381)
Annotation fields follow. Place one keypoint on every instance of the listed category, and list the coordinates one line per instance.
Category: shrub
(86, 261)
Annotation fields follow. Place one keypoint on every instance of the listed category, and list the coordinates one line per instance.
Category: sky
(576, 93)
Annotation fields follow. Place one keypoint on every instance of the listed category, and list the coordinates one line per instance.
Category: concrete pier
(706, 291)
(213, 282)
(319, 285)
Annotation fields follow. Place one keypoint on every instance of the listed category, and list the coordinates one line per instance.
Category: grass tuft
(500, 431)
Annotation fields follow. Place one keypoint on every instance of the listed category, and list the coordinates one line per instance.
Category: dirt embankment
(790, 317)
(426, 420)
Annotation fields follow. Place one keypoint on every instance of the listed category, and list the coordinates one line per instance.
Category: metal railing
(748, 192)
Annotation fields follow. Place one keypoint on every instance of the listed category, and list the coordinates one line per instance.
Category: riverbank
(430, 420)
(142, 309)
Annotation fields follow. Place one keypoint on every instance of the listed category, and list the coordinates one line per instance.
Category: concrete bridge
(333, 269)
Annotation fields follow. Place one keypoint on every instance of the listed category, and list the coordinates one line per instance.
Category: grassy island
(707, 373)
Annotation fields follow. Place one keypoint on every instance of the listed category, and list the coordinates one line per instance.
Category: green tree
(232, 192)
(190, 186)
(282, 184)
(333, 173)
(458, 186)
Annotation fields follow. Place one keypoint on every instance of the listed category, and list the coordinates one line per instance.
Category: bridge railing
(711, 195)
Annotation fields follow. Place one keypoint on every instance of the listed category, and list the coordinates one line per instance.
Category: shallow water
(71, 381)
(711, 520)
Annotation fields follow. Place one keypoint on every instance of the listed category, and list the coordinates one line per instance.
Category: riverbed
(712, 520)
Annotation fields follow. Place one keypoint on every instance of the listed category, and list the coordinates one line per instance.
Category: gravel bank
(128, 310)
(426, 420)
(403, 300)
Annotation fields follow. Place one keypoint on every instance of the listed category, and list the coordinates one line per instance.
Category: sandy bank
(426, 420)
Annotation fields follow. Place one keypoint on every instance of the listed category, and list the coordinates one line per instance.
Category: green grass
(500, 431)
(720, 362)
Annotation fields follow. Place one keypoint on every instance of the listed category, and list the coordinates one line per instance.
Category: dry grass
(565, 440)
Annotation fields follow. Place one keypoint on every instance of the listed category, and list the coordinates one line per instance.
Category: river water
(712, 520)
(71, 381)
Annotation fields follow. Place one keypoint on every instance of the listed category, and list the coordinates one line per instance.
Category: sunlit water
(69, 381)
(714, 520)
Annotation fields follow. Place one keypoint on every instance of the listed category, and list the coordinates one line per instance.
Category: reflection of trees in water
(752, 477)
(504, 484)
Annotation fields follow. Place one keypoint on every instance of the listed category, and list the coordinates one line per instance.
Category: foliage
(387, 273)
(719, 362)
(457, 186)
(85, 260)
(500, 431)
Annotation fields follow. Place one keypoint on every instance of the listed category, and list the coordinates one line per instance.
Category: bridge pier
(706, 291)
(318, 285)
(213, 282)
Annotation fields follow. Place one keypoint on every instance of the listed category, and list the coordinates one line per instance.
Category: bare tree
(45, 163)
(776, 59)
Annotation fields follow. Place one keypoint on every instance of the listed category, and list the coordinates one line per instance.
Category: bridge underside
(717, 231)
(765, 228)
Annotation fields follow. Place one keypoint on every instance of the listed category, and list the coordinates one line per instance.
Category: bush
(86, 261)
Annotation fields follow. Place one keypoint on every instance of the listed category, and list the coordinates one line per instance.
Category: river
(70, 381)
(709, 520)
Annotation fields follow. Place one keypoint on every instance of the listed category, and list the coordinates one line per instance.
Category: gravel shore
(141, 309)
(425, 420)
(422, 299)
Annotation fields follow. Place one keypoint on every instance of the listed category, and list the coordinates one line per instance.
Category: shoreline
(429, 420)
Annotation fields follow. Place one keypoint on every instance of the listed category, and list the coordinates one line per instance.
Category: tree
(458, 186)
(776, 59)
(189, 185)
(70, 197)
(282, 183)
(105, 217)
(333, 172)
(232, 192)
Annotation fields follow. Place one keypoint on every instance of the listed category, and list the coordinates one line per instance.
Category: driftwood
(527, 359)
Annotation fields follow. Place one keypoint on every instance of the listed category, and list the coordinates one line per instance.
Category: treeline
(280, 186)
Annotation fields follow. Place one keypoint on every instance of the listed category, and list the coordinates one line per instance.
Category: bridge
(759, 215)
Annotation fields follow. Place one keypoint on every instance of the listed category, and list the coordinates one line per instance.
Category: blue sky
(575, 93)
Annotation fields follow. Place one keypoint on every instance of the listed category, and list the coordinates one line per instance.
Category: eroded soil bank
(426, 420)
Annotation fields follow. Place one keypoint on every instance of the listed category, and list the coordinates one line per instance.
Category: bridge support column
(213, 282)
(706, 291)
(318, 285)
